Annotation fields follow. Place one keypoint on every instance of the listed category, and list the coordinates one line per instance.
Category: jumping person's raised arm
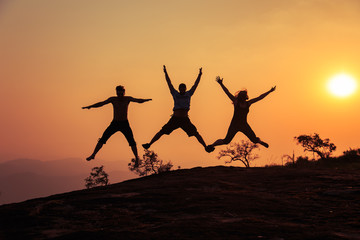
(220, 81)
(171, 87)
(139, 100)
(254, 100)
(99, 104)
(193, 88)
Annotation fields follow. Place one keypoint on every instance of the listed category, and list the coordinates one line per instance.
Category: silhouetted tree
(313, 143)
(150, 164)
(98, 177)
(240, 152)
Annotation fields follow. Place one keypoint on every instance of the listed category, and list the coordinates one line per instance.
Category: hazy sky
(57, 56)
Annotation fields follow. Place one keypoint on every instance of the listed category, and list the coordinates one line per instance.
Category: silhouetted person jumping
(239, 121)
(120, 121)
(180, 118)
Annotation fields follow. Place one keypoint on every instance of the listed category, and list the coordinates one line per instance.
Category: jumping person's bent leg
(154, 139)
(264, 143)
(229, 136)
(126, 130)
(109, 131)
(252, 136)
(137, 159)
(191, 130)
(135, 151)
(97, 148)
(200, 139)
(170, 126)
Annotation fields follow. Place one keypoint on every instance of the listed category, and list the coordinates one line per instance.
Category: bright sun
(342, 85)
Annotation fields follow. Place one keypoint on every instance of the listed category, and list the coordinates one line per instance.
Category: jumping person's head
(182, 88)
(120, 91)
(242, 95)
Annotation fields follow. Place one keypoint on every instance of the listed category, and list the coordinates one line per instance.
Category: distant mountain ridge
(23, 179)
(59, 167)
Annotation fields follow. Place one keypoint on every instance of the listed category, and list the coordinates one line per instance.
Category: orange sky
(57, 56)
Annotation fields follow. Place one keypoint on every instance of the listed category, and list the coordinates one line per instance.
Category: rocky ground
(199, 203)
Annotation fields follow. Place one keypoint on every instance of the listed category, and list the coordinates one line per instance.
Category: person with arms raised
(239, 121)
(180, 117)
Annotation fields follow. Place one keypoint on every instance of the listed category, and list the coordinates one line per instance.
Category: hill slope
(199, 203)
(23, 179)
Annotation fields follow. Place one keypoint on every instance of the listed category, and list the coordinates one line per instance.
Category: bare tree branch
(239, 152)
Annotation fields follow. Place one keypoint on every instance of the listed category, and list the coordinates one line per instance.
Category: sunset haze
(58, 56)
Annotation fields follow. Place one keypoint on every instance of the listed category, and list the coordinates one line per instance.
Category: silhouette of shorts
(179, 122)
(122, 126)
(244, 127)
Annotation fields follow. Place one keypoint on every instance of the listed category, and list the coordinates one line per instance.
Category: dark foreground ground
(199, 203)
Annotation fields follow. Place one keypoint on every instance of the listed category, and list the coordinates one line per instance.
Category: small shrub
(352, 152)
(240, 152)
(98, 177)
(150, 164)
(302, 161)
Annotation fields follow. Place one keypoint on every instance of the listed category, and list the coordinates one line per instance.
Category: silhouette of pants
(179, 122)
(240, 127)
(115, 126)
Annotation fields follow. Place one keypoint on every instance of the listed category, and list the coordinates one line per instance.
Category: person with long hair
(239, 122)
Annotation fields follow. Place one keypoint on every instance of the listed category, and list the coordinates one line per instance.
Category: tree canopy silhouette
(240, 152)
(98, 177)
(313, 143)
(150, 164)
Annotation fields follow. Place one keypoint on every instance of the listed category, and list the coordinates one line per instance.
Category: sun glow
(342, 85)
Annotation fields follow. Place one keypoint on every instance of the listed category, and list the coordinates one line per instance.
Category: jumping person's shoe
(265, 144)
(146, 146)
(90, 158)
(209, 148)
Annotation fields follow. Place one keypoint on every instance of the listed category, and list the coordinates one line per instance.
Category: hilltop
(199, 203)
